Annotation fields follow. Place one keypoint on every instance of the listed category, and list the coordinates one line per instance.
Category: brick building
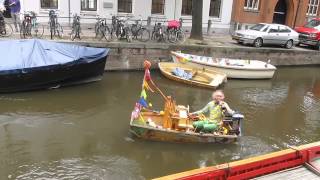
(289, 12)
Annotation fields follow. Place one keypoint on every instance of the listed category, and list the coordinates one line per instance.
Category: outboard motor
(234, 121)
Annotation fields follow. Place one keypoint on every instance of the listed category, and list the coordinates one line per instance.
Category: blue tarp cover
(23, 54)
(182, 73)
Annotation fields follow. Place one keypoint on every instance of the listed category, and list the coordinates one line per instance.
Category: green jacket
(214, 110)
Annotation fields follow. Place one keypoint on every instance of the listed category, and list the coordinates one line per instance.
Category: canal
(81, 132)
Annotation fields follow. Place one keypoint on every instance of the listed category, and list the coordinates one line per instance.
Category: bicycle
(30, 27)
(158, 33)
(76, 28)
(54, 26)
(25, 29)
(36, 30)
(5, 29)
(175, 32)
(138, 30)
(101, 29)
(123, 29)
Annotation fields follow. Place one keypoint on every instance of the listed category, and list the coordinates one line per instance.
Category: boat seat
(185, 124)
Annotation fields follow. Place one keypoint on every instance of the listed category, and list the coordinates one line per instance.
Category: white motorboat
(234, 68)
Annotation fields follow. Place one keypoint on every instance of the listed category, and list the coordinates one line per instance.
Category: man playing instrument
(216, 109)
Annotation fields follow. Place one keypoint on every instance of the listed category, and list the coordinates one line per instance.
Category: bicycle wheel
(52, 29)
(72, 34)
(22, 32)
(75, 33)
(128, 34)
(143, 35)
(172, 36)
(100, 32)
(107, 34)
(181, 36)
(96, 29)
(59, 30)
(37, 31)
(113, 34)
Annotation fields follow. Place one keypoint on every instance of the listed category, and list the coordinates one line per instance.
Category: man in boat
(216, 109)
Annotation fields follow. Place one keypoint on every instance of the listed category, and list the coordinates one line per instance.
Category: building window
(88, 5)
(186, 7)
(49, 4)
(157, 7)
(215, 7)
(125, 6)
(251, 5)
(313, 7)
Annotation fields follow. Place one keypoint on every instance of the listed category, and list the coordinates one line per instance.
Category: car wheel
(289, 44)
(258, 42)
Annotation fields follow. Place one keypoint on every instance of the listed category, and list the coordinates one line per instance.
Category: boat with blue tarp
(38, 64)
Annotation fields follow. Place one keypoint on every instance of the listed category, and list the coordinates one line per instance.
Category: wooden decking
(300, 172)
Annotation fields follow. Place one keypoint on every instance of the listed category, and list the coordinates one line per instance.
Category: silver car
(272, 34)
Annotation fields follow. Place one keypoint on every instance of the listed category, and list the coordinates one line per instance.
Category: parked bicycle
(139, 32)
(30, 27)
(102, 30)
(175, 32)
(76, 28)
(5, 29)
(123, 29)
(54, 26)
(158, 33)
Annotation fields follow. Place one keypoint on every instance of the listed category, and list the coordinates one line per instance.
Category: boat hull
(53, 76)
(220, 78)
(167, 135)
(276, 164)
(236, 73)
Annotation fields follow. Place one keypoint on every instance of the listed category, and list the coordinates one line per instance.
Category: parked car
(272, 34)
(309, 34)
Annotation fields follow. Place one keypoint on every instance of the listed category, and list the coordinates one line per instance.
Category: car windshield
(313, 24)
(257, 27)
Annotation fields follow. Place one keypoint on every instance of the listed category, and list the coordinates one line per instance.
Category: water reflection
(81, 132)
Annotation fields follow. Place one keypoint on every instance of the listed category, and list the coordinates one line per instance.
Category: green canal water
(81, 132)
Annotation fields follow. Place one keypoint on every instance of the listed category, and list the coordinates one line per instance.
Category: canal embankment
(130, 56)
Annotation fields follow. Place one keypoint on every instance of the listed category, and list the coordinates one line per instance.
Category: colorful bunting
(143, 102)
(143, 94)
(147, 75)
(135, 113)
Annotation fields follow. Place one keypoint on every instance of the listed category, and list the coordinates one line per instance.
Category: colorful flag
(143, 94)
(147, 75)
(143, 102)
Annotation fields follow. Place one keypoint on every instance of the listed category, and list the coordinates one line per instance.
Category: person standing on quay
(15, 13)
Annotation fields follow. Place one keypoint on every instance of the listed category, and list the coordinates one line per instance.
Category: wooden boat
(198, 76)
(301, 162)
(38, 64)
(173, 123)
(234, 68)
